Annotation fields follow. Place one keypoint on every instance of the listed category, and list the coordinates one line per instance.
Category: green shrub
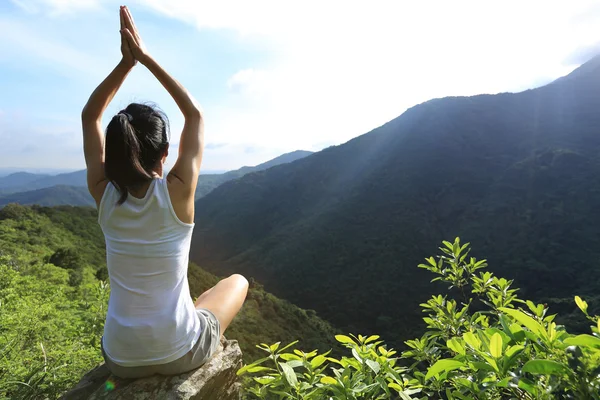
(482, 342)
(48, 337)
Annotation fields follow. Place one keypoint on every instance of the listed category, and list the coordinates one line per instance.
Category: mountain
(342, 231)
(51, 196)
(25, 181)
(208, 182)
(65, 188)
(19, 179)
(41, 171)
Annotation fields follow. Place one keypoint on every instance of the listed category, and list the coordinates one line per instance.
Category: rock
(216, 380)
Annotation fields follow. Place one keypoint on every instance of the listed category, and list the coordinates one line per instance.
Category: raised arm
(187, 166)
(91, 121)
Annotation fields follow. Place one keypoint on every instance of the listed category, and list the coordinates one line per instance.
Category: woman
(152, 325)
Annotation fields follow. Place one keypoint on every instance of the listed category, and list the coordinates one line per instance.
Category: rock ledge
(214, 380)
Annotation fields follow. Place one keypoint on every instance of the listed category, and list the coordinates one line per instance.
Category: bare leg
(202, 297)
(225, 299)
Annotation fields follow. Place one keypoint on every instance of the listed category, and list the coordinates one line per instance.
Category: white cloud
(249, 82)
(343, 68)
(56, 7)
(337, 69)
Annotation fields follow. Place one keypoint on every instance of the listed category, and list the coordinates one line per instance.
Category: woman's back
(152, 325)
(151, 317)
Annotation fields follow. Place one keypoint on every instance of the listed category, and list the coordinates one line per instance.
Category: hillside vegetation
(483, 342)
(340, 231)
(52, 304)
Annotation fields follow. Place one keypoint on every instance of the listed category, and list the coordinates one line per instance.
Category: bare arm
(187, 166)
(91, 121)
(191, 144)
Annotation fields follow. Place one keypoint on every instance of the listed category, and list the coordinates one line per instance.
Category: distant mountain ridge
(207, 183)
(25, 181)
(515, 174)
(51, 196)
(71, 188)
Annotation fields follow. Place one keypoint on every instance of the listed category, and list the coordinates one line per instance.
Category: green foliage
(48, 334)
(488, 345)
(52, 306)
(370, 373)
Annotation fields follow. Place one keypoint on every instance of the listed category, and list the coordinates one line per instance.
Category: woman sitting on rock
(152, 325)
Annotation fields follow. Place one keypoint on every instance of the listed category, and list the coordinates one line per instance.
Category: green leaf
(288, 346)
(344, 339)
(356, 355)
(517, 332)
(274, 347)
(247, 367)
(478, 365)
(317, 361)
(528, 386)
(264, 380)
(472, 340)
(289, 374)
(295, 363)
(504, 382)
(496, 345)
(583, 306)
(543, 367)
(491, 361)
(373, 365)
(327, 380)
(456, 346)
(444, 365)
(583, 340)
(259, 368)
(371, 338)
(512, 350)
(289, 356)
(526, 321)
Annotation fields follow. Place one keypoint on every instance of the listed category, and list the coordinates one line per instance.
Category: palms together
(125, 49)
(131, 42)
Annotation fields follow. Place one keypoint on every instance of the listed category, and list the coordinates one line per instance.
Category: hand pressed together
(128, 57)
(131, 37)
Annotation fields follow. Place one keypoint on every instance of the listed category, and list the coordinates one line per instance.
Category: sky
(273, 76)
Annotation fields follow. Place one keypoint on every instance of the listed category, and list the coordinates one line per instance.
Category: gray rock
(214, 380)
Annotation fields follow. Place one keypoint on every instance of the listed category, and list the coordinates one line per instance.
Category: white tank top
(151, 317)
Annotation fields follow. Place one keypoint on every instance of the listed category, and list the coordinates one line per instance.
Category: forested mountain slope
(341, 231)
(208, 182)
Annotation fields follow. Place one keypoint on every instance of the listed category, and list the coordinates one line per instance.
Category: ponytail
(123, 165)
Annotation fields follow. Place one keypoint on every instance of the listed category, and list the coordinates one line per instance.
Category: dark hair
(136, 139)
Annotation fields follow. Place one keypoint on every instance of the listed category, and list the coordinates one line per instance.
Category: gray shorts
(205, 347)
